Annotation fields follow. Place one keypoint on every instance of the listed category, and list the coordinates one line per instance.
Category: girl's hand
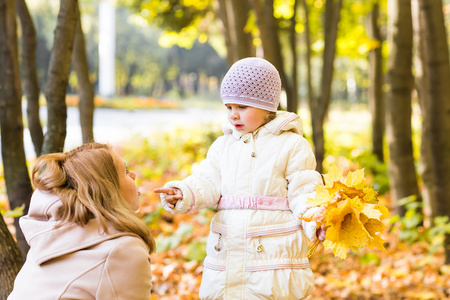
(172, 195)
(321, 233)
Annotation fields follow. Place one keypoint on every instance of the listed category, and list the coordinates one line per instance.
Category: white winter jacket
(256, 248)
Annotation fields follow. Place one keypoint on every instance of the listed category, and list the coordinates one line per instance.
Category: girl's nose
(234, 115)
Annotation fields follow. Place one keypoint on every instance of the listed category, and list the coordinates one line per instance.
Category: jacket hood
(284, 121)
(48, 242)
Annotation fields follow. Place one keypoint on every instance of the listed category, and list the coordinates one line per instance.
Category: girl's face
(127, 185)
(246, 118)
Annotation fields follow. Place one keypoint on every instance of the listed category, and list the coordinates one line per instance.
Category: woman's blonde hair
(87, 182)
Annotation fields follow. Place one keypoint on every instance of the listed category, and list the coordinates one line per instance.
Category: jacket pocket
(216, 248)
(277, 247)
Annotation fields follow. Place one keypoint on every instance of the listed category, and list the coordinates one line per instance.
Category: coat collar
(48, 242)
(284, 121)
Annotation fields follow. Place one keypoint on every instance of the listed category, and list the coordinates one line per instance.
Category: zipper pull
(260, 247)
(218, 246)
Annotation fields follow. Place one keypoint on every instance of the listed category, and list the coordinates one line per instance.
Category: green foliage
(347, 146)
(197, 250)
(169, 154)
(353, 40)
(15, 213)
(182, 21)
(164, 243)
(152, 218)
(368, 258)
(410, 229)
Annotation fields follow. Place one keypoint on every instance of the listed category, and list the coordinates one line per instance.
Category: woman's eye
(126, 170)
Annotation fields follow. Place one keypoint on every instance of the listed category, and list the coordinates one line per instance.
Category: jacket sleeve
(302, 180)
(127, 272)
(202, 188)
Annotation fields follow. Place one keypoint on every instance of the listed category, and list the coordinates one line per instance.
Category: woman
(85, 240)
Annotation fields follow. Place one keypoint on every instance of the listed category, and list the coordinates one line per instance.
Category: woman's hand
(172, 195)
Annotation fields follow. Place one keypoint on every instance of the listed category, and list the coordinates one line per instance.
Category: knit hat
(252, 82)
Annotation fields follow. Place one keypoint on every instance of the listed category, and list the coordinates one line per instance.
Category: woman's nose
(132, 174)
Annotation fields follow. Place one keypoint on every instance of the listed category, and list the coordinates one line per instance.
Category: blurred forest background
(370, 79)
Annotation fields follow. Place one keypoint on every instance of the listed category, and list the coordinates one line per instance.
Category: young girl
(259, 174)
(86, 241)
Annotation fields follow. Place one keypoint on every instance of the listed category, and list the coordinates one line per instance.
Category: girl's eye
(242, 107)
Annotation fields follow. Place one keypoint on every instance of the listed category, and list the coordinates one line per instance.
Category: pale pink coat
(74, 262)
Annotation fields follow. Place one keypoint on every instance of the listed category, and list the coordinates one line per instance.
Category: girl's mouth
(238, 126)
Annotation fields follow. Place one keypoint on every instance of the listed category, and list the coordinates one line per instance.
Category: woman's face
(246, 118)
(127, 185)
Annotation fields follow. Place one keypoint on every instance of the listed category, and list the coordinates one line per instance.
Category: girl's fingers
(168, 191)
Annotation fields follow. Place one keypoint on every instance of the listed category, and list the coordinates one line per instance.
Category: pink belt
(253, 202)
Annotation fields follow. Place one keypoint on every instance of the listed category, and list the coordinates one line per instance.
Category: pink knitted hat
(252, 82)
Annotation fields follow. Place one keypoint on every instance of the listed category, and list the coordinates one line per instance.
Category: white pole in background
(106, 48)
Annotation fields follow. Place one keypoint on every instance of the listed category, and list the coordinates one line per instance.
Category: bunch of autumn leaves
(350, 211)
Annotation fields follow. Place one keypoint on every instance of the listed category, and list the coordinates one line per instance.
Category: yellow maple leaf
(334, 174)
(347, 191)
(350, 211)
(370, 196)
(345, 229)
(373, 226)
(322, 196)
(355, 179)
(372, 211)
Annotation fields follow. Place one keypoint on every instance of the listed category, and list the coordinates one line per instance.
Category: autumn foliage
(350, 212)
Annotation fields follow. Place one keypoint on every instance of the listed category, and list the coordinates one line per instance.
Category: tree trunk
(320, 106)
(234, 15)
(18, 185)
(437, 62)
(30, 79)
(58, 77)
(272, 48)
(309, 89)
(376, 99)
(398, 105)
(422, 73)
(223, 14)
(292, 103)
(10, 257)
(85, 87)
